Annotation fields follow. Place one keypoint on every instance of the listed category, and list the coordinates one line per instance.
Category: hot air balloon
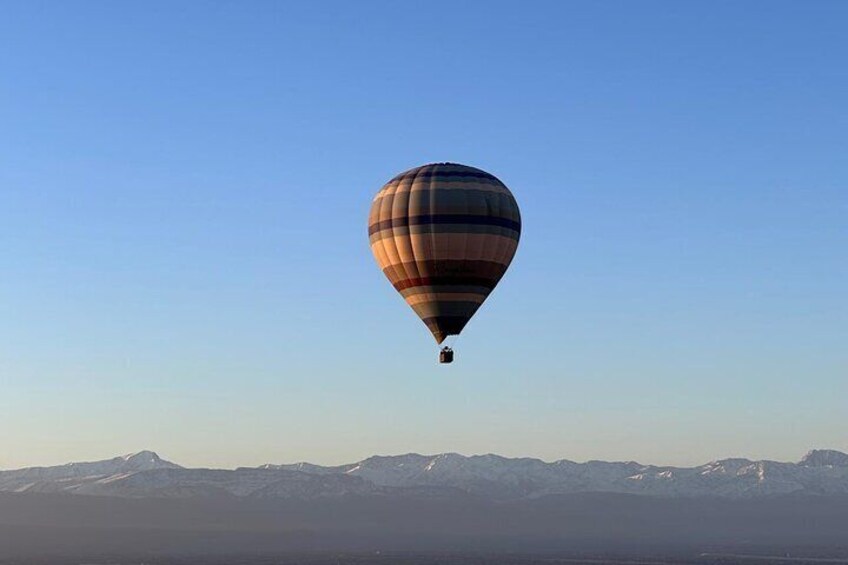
(444, 235)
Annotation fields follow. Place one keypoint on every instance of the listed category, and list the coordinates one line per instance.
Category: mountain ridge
(144, 474)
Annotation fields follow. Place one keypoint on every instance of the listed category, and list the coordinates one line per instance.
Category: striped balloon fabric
(444, 234)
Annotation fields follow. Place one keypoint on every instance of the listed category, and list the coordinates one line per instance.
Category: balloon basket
(446, 355)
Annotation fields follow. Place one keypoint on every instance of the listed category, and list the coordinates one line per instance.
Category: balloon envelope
(444, 235)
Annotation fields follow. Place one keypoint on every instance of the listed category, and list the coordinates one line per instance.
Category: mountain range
(490, 477)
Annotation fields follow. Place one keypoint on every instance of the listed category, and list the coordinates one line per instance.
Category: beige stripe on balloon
(445, 296)
(419, 186)
(441, 246)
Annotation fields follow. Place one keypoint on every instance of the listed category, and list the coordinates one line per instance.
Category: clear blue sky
(184, 262)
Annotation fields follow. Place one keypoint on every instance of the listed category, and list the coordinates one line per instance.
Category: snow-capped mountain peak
(146, 459)
(824, 458)
(36, 478)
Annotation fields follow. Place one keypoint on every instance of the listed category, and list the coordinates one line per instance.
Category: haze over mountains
(145, 474)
